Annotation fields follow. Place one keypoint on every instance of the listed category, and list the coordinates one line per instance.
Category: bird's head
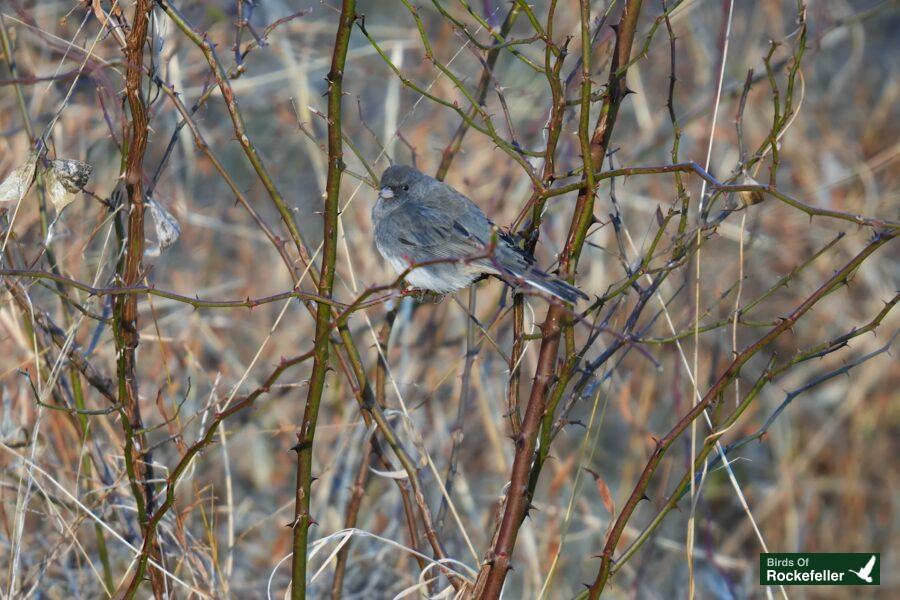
(399, 182)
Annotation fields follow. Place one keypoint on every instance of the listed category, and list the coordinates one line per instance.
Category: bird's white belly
(443, 278)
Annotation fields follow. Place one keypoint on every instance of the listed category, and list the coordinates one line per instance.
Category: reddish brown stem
(356, 496)
(126, 311)
(493, 574)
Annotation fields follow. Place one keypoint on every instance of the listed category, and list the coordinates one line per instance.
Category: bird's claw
(423, 296)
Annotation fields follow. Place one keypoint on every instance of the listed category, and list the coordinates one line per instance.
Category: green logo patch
(820, 568)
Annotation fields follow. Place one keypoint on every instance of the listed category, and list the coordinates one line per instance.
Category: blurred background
(823, 478)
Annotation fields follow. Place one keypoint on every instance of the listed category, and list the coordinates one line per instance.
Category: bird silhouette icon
(866, 572)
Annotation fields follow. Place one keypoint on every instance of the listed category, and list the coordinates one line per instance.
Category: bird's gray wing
(425, 232)
(470, 222)
(446, 225)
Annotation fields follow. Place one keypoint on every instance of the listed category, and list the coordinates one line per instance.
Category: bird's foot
(424, 296)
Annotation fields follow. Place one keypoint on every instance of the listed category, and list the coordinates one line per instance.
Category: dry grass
(822, 478)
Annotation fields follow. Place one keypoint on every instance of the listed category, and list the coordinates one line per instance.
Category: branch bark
(518, 500)
(125, 320)
(306, 435)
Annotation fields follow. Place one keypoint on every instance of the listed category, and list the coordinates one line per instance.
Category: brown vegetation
(719, 178)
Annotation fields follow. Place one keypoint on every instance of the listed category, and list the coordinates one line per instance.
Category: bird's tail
(552, 285)
(511, 263)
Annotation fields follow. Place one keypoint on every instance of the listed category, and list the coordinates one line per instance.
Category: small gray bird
(420, 219)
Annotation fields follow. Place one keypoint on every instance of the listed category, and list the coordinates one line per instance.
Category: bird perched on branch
(423, 223)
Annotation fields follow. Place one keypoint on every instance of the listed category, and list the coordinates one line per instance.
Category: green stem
(306, 435)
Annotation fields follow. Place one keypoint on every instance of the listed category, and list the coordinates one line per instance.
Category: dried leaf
(72, 174)
(167, 228)
(605, 495)
(16, 184)
(57, 191)
(65, 179)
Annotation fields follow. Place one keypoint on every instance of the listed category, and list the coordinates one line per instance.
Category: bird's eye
(405, 188)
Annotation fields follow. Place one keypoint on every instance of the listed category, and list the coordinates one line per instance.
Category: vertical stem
(307, 431)
(14, 72)
(125, 321)
(518, 500)
(465, 389)
(553, 62)
(86, 465)
(359, 488)
(515, 368)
